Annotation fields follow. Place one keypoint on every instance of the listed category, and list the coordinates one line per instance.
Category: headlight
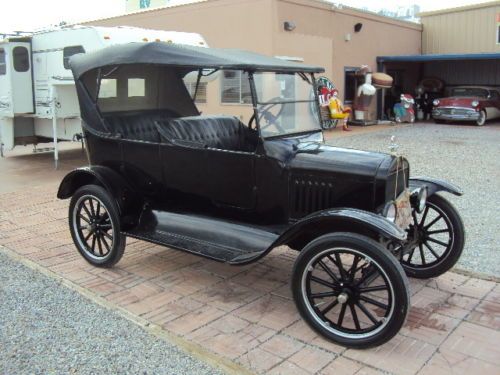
(390, 211)
(436, 102)
(419, 199)
(475, 103)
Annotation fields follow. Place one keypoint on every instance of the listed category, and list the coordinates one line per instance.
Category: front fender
(341, 220)
(106, 177)
(434, 185)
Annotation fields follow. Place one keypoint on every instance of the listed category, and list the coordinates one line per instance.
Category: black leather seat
(221, 132)
(138, 126)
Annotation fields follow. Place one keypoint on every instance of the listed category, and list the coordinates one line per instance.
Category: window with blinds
(235, 87)
(201, 95)
(3, 65)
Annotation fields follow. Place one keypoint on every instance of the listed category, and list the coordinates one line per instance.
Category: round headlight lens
(475, 103)
(390, 212)
(436, 102)
(422, 200)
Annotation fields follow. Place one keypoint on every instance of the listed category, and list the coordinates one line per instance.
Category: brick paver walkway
(246, 314)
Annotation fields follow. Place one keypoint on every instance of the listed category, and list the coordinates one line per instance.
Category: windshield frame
(256, 102)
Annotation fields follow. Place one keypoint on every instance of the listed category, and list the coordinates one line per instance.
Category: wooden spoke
(84, 218)
(342, 314)
(431, 250)
(354, 316)
(370, 289)
(84, 206)
(322, 282)
(328, 271)
(438, 231)
(91, 232)
(422, 255)
(411, 255)
(329, 307)
(93, 244)
(343, 273)
(367, 313)
(424, 216)
(374, 302)
(352, 270)
(438, 242)
(99, 245)
(324, 295)
(106, 245)
(433, 222)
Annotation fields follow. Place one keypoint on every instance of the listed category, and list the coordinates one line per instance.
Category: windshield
(286, 104)
(470, 91)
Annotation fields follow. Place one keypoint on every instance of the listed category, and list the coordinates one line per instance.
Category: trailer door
(19, 56)
(5, 92)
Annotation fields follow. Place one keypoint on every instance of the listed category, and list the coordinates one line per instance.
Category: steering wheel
(264, 113)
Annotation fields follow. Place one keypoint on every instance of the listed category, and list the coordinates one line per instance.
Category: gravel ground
(467, 156)
(46, 328)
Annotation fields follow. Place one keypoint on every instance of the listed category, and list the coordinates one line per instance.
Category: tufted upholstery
(221, 132)
(139, 126)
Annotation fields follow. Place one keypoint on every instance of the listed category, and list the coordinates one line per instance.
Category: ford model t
(162, 172)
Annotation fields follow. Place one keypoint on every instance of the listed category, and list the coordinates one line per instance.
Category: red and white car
(468, 103)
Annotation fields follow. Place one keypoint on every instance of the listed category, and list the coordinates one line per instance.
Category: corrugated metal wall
(466, 31)
(468, 72)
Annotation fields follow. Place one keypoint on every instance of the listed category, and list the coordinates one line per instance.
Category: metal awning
(439, 57)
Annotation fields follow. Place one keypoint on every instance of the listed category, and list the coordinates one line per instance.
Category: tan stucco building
(312, 31)
(469, 29)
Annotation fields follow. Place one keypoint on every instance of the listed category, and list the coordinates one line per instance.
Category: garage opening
(452, 70)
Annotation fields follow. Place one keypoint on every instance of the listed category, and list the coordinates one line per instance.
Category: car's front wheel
(350, 290)
(482, 118)
(95, 226)
(437, 236)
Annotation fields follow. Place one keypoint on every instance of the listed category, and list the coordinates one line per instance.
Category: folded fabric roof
(184, 56)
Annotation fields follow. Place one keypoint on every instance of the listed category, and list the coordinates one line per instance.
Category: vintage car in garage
(466, 103)
(162, 172)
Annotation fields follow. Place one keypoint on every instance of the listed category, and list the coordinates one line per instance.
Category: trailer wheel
(95, 226)
(350, 290)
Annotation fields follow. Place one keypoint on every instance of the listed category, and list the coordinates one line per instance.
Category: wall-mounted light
(358, 27)
(289, 26)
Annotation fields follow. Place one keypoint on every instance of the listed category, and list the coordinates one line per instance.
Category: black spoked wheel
(95, 226)
(437, 239)
(350, 290)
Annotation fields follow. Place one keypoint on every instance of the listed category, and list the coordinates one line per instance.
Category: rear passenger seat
(138, 126)
(221, 132)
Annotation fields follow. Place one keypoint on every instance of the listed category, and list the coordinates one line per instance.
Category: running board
(217, 239)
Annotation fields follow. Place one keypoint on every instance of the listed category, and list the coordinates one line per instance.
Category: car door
(231, 178)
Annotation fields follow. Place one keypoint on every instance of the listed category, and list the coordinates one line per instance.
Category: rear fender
(339, 220)
(106, 177)
(434, 185)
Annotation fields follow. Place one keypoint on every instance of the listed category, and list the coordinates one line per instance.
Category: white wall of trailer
(41, 102)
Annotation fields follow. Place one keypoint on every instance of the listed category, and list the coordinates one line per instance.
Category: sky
(29, 15)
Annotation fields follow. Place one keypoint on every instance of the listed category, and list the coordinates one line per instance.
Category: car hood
(458, 101)
(323, 158)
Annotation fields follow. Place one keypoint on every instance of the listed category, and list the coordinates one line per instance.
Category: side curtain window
(70, 51)
(3, 64)
(21, 59)
(201, 95)
(235, 87)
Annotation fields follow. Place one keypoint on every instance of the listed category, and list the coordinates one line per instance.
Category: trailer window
(70, 51)
(3, 66)
(21, 59)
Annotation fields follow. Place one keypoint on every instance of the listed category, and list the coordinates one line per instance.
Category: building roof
(183, 56)
(439, 57)
(460, 9)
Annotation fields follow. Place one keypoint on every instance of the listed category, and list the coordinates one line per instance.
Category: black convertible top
(184, 56)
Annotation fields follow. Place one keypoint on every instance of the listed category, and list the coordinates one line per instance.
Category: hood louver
(310, 195)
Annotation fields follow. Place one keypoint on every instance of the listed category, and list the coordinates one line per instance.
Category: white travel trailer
(38, 101)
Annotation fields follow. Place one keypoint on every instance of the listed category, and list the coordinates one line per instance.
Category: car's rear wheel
(439, 237)
(482, 118)
(95, 226)
(350, 290)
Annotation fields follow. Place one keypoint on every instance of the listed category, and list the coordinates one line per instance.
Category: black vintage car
(162, 172)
